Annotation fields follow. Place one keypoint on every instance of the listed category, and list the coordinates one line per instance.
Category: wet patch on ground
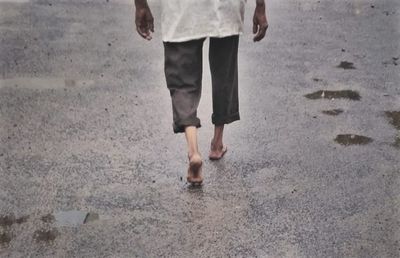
(70, 218)
(334, 94)
(6, 221)
(45, 235)
(394, 61)
(394, 119)
(387, 13)
(9, 220)
(397, 141)
(346, 65)
(14, 1)
(352, 139)
(49, 218)
(5, 238)
(333, 112)
(62, 218)
(44, 83)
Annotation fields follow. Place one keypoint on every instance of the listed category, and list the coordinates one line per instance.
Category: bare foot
(194, 175)
(217, 152)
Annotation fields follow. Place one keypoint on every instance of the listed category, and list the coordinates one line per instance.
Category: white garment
(184, 20)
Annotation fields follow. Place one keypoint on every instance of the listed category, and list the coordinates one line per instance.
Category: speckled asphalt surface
(86, 127)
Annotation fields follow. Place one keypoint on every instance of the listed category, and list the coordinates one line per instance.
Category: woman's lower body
(183, 72)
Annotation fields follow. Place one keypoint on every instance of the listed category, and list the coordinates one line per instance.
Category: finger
(148, 29)
(144, 24)
(261, 33)
(147, 32)
(150, 23)
(142, 31)
(258, 35)
(255, 27)
(139, 27)
(151, 27)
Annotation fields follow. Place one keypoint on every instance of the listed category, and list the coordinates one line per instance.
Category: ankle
(216, 144)
(194, 154)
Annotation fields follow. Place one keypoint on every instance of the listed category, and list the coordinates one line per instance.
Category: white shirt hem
(202, 35)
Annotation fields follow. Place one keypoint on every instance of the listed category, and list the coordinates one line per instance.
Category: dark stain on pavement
(333, 112)
(8, 220)
(49, 218)
(394, 117)
(397, 142)
(352, 139)
(45, 235)
(393, 61)
(387, 13)
(70, 83)
(22, 219)
(5, 238)
(333, 94)
(194, 187)
(346, 65)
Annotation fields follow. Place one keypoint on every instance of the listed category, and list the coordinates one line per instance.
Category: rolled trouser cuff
(221, 120)
(179, 126)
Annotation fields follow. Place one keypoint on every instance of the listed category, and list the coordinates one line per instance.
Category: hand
(260, 23)
(144, 22)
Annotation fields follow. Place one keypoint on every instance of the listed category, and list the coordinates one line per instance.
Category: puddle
(5, 238)
(74, 218)
(44, 83)
(334, 94)
(352, 139)
(346, 65)
(8, 220)
(333, 112)
(394, 117)
(45, 235)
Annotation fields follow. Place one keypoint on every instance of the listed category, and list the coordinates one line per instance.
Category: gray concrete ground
(86, 127)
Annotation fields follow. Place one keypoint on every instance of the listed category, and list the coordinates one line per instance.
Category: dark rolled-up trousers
(183, 72)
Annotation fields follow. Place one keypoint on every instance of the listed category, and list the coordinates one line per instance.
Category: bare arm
(260, 23)
(144, 19)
